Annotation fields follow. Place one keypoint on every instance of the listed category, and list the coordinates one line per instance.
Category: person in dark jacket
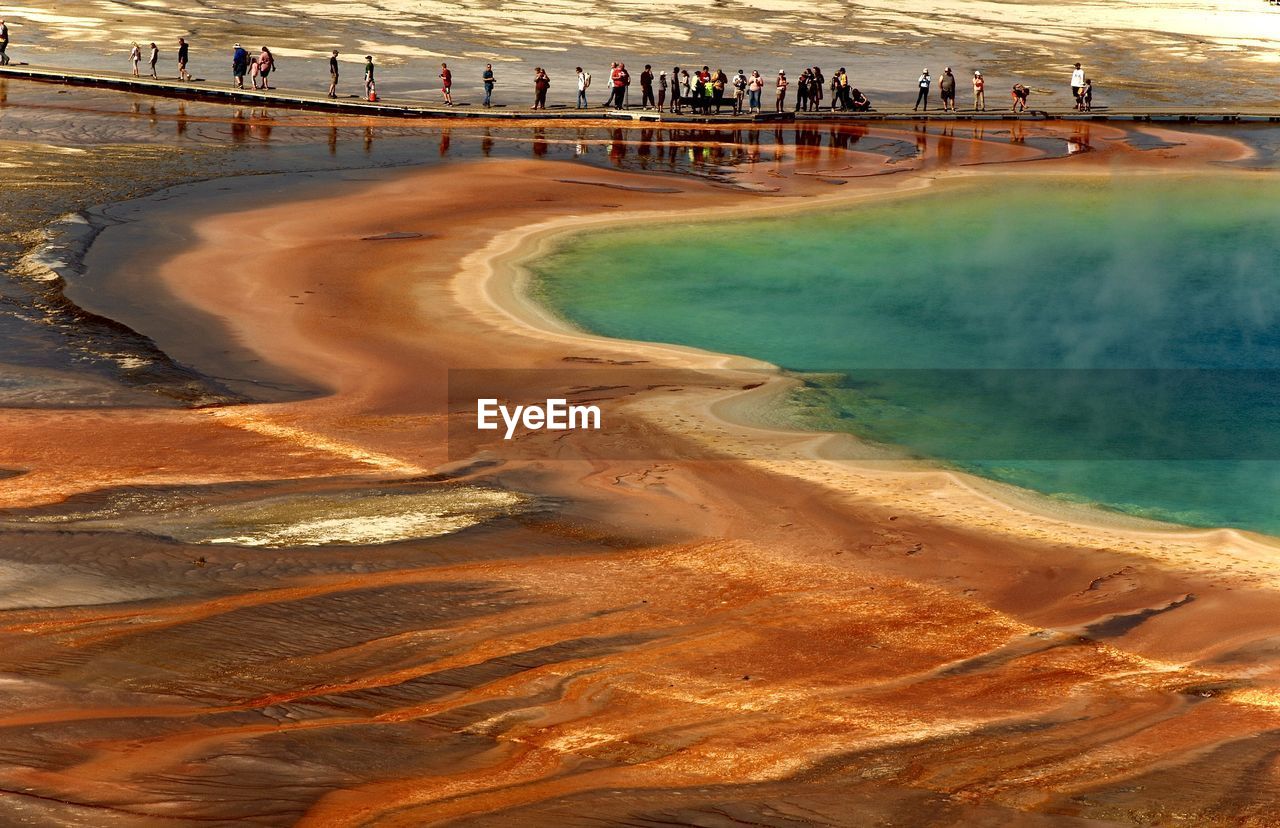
(541, 83)
(239, 65)
(802, 91)
(370, 85)
(646, 87)
(489, 80)
(1020, 94)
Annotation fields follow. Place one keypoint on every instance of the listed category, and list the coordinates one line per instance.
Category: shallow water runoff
(1104, 340)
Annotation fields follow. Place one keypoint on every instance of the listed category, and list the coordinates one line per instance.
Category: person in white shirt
(584, 83)
(1077, 81)
(754, 86)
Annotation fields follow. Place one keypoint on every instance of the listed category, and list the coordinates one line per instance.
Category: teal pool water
(1112, 341)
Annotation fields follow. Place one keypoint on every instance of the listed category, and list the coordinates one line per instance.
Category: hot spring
(1112, 341)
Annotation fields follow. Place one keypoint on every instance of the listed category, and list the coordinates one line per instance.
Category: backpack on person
(586, 81)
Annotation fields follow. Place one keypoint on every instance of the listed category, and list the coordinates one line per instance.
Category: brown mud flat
(766, 638)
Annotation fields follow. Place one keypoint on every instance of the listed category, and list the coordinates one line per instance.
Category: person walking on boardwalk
(979, 92)
(646, 87)
(662, 90)
(239, 65)
(446, 84)
(1077, 81)
(135, 57)
(675, 89)
(782, 91)
(1020, 93)
(154, 59)
(1086, 96)
(947, 89)
(184, 55)
(718, 83)
(489, 80)
(613, 72)
(584, 83)
(541, 83)
(4, 43)
(333, 74)
(266, 65)
(922, 97)
(686, 91)
(370, 86)
(739, 92)
(754, 87)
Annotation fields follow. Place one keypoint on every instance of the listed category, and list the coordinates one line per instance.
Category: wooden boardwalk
(202, 90)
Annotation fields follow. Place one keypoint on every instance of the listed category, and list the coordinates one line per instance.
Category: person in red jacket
(446, 84)
(541, 83)
(618, 77)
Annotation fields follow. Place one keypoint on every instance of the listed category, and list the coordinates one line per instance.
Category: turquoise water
(1111, 341)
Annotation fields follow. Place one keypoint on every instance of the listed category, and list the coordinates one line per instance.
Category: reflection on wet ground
(125, 147)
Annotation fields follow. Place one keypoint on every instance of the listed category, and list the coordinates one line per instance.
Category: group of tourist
(702, 91)
(258, 67)
(135, 57)
(370, 85)
(1081, 91)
